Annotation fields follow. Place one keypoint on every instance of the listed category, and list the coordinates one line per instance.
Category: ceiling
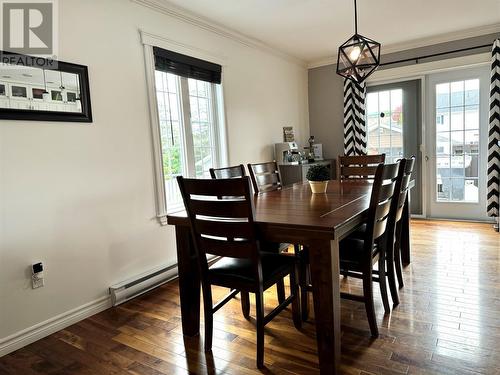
(312, 30)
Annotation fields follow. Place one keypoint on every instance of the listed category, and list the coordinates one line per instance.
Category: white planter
(318, 187)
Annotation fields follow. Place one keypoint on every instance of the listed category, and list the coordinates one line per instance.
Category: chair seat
(360, 232)
(274, 266)
(352, 252)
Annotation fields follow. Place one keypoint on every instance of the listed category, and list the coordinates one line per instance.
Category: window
(189, 119)
(385, 124)
(37, 93)
(19, 92)
(457, 141)
(56, 95)
(71, 96)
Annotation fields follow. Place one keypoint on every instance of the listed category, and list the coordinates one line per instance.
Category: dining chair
(228, 172)
(359, 255)
(238, 171)
(265, 178)
(394, 228)
(403, 196)
(225, 228)
(359, 166)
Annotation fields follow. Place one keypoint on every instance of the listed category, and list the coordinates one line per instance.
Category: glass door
(394, 127)
(457, 138)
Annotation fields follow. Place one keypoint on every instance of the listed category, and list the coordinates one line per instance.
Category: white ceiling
(313, 29)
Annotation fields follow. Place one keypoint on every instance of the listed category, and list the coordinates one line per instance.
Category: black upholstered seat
(273, 265)
(352, 253)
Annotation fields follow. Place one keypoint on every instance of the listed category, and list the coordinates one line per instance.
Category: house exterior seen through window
(457, 141)
(189, 129)
(385, 124)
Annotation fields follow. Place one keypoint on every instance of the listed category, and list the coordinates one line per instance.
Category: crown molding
(163, 6)
(418, 43)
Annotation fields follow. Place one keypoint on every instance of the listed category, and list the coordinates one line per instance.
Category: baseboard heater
(140, 284)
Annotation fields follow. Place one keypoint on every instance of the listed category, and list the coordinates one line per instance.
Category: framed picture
(58, 91)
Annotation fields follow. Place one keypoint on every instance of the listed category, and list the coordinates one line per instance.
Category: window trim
(149, 41)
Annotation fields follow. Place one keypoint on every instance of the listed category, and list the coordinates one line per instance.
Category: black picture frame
(37, 115)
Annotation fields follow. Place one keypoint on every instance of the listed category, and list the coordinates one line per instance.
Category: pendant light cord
(355, 17)
(45, 81)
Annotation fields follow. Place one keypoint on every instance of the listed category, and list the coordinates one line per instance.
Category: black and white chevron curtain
(494, 134)
(354, 118)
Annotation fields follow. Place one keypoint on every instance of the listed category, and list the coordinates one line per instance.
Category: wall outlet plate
(37, 282)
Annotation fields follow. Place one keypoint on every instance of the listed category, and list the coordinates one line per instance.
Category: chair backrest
(223, 227)
(383, 193)
(228, 172)
(265, 177)
(361, 167)
(407, 170)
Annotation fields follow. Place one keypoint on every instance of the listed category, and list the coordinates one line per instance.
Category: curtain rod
(435, 55)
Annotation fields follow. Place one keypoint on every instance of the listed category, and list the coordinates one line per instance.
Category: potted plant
(318, 177)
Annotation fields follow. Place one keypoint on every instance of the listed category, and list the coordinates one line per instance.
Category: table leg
(324, 261)
(189, 282)
(405, 233)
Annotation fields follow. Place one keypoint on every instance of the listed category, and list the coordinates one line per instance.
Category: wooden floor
(448, 322)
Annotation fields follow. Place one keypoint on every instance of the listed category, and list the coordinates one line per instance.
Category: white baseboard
(61, 321)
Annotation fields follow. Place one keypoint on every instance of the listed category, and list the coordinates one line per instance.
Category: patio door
(394, 127)
(457, 143)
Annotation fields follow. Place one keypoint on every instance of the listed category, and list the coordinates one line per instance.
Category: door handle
(426, 158)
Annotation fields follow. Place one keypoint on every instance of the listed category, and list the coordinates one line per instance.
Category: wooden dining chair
(394, 228)
(228, 172)
(403, 196)
(361, 167)
(225, 227)
(265, 177)
(238, 171)
(359, 255)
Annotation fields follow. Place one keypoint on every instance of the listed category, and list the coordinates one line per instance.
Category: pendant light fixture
(359, 56)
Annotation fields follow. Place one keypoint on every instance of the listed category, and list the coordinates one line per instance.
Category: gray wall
(326, 99)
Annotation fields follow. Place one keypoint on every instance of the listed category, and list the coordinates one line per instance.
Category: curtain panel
(354, 118)
(494, 134)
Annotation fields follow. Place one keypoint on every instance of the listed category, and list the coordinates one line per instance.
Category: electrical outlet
(37, 281)
(37, 275)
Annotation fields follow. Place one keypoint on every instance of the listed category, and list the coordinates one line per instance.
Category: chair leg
(391, 277)
(294, 291)
(368, 296)
(245, 304)
(209, 318)
(397, 259)
(259, 306)
(383, 282)
(280, 285)
(304, 281)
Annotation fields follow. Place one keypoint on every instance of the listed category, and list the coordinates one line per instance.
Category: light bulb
(354, 54)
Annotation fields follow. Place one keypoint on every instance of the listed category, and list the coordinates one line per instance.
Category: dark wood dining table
(295, 215)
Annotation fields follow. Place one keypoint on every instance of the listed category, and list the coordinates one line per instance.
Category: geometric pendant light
(359, 56)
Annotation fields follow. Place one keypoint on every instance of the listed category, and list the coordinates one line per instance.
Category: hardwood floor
(448, 322)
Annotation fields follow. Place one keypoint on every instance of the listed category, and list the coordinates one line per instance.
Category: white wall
(80, 197)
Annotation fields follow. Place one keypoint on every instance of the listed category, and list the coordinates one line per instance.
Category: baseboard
(52, 325)
(479, 221)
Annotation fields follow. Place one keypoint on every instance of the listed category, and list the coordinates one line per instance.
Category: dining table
(295, 215)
